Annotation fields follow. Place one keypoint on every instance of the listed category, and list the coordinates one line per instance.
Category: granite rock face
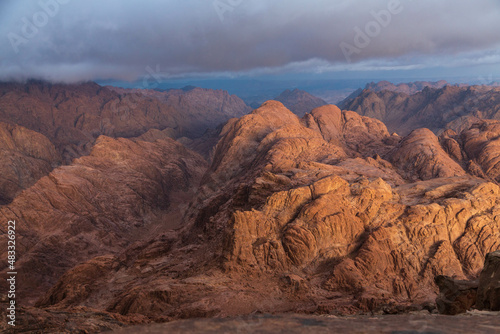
(421, 154)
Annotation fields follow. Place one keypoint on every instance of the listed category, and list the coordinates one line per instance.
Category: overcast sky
(76, 40)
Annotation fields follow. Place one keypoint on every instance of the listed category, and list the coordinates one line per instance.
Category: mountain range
(73, 116)
(330, 212)
(434, 108)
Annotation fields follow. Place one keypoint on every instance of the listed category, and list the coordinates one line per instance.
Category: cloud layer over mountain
(72, 40)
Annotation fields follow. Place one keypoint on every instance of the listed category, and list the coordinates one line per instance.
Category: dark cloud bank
(70, 40)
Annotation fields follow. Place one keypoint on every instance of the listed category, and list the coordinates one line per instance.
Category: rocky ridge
(73, 116)
(432, 108)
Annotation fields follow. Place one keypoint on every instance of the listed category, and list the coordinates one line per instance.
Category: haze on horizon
(72, 41)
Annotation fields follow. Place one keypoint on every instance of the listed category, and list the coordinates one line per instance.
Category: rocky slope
(123, 192)
(25, 156)
(73, 116)
(435, 109)
(327, 213)
(299, 102)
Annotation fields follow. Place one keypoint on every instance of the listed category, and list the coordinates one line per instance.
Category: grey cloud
(87, 40)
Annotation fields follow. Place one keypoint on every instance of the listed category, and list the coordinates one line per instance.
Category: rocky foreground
(479, 323)
(325, 214)
(458, 296)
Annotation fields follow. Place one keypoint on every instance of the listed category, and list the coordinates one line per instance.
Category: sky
(128, 40)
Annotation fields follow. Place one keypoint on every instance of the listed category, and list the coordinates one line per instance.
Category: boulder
(488, 293)
(455, 296)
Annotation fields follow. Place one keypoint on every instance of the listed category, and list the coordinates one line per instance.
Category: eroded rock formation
(327, 213)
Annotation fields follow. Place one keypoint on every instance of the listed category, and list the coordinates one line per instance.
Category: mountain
(299, 102)
(123, 192)
(435, 109)
(73, 116)
(328, 213)
(25, 157)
